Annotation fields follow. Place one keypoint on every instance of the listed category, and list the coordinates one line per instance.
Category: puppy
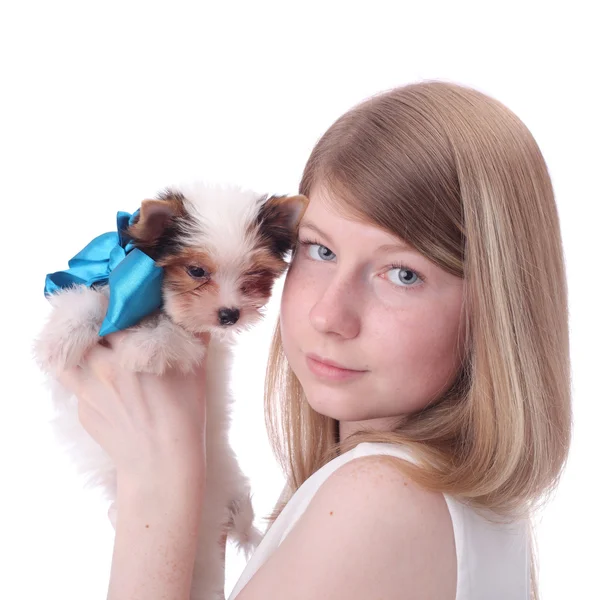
(221, 248)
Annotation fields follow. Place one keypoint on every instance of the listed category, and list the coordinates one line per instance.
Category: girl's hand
(153, 427)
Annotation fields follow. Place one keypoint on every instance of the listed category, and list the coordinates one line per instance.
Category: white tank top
(492, 558)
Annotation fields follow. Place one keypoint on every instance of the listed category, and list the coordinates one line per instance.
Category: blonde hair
(460, 177)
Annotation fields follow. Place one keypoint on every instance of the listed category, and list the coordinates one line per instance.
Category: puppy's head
(221, 247)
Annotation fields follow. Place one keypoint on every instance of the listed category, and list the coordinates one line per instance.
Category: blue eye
(317, 251)
(403, 276)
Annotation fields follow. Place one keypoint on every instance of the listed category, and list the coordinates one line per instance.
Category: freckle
(147, 526)
(406, 483)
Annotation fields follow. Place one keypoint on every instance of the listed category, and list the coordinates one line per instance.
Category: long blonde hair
(460, 177)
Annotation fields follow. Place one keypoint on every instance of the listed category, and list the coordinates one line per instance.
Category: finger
(92, 420)
(76, 380)
(99, 362)
(71, 379)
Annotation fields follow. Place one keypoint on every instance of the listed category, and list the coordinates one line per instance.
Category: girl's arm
(156, 540)
(154, 430)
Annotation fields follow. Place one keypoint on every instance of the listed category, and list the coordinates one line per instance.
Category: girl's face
(385, 314)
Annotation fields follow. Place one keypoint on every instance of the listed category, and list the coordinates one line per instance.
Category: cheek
(296, 300)
(417, 352)
(418, 337)
(192, 309)
(287, 310)
(304, 284)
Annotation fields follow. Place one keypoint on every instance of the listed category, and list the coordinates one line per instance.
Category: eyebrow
(385, 248)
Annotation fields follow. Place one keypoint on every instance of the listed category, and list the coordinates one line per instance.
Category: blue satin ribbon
(134, 279)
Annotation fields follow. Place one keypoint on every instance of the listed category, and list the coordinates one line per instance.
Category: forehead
(329, 214)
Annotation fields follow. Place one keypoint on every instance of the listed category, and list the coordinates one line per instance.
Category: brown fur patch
(261, 274)
(196, 309)
(156, 229)
(189, 256)
(176, 265)
(278, 220)
(154, 217)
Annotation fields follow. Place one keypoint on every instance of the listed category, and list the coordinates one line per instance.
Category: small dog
(221, 248)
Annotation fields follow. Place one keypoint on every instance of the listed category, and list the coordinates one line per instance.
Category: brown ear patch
(155, 231)
(277, 222)
(155, 216)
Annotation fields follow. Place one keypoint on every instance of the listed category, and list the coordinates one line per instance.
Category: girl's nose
(336, 312)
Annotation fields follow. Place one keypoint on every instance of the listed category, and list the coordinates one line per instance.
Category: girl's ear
(154, 217)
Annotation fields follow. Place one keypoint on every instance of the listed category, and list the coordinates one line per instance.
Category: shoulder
(368, 531)
(377, 481)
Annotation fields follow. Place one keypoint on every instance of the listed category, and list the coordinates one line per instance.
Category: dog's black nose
(228, 316)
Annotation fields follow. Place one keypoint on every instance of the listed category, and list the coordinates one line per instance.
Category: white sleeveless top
(492, 558)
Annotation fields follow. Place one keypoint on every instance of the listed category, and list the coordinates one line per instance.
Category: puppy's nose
(228, 316)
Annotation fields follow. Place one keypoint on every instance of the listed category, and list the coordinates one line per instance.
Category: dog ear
(154, 218)
(278, 220)
(287, 210)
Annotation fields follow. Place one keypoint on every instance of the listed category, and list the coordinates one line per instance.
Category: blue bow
(134, 279)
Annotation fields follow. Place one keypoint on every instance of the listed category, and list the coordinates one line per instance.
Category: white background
(105, 103)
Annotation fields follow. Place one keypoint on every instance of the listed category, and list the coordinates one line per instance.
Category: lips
(330, 372)
(331, 363)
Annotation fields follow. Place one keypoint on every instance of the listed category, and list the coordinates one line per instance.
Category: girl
(418, 389)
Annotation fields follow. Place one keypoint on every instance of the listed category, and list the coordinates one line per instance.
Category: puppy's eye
(197, 272)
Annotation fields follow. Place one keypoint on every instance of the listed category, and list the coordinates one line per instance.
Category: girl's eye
(403, 276)
(317, 251)
(400, 275)
(197, 272)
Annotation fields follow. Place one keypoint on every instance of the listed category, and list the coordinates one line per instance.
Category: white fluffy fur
(219, 215)
(152, 346)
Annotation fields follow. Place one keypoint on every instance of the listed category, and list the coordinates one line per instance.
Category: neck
(347, 428)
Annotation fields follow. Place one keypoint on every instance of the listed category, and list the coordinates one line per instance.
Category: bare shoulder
(368, 532)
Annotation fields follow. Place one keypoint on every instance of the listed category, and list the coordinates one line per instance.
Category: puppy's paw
(72, 328)
(158, 344)
(241, 528)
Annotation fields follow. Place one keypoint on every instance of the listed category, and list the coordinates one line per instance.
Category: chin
(342, 404)
(350, 402)
(221, 247)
